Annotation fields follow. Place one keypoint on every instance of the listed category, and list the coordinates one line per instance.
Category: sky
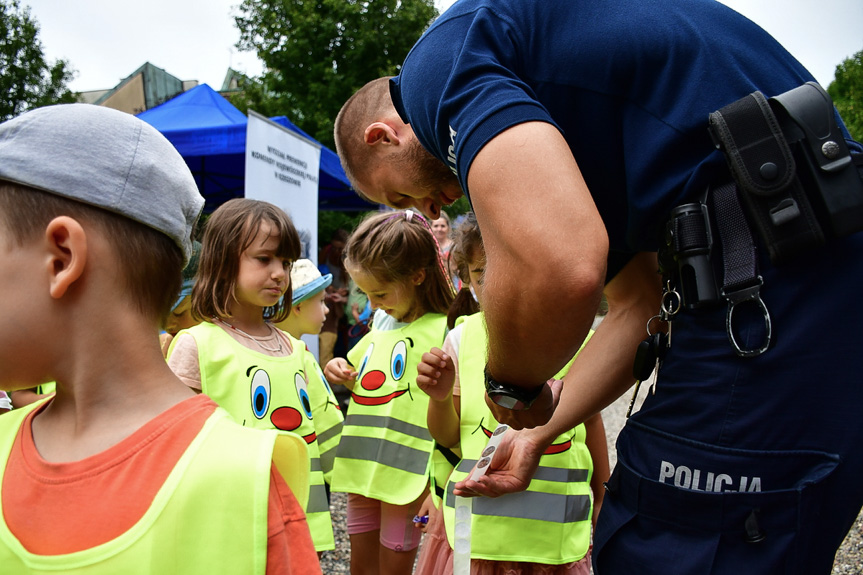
(107, 40)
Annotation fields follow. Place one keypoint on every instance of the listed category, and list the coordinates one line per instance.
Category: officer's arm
(603, 369)
(546, 250)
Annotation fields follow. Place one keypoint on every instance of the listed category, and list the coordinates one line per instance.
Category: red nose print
(373, 380)
(286, 418)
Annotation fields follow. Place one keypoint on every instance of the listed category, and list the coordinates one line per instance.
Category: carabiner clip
(736, 297)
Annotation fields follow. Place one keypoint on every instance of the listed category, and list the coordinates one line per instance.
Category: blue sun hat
(306, 281)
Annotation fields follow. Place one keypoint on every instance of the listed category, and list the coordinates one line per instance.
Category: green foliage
(457, 208)
(317, 53)
(330, 221)
(27, 80)
(847, 93)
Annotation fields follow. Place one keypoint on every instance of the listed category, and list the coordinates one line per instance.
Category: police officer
(583, 125)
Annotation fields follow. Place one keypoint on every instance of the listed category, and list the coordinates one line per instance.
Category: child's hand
(436, 374)
(338, 370)
(421, 519)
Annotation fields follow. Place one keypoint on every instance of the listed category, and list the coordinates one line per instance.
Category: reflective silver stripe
(317, 499)
(330, 433)
(556, 474)
(549, 507)
(561, 475)
(384, 452)
(381, 421)
(327, 458)
(315, 464)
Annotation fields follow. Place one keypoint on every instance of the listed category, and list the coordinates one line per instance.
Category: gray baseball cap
(104, 158)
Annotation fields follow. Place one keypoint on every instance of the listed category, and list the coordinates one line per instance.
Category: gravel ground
(338, 561)
(849, 558)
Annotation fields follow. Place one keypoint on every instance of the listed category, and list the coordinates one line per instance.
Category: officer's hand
(539, 413)
(436, 374)
(511, 468)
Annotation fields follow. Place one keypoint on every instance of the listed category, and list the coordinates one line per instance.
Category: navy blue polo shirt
(629, 83)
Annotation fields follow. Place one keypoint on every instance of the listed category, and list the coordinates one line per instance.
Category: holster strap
(763, 166)
(741, 282)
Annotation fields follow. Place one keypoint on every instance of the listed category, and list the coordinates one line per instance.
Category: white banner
(282, 168)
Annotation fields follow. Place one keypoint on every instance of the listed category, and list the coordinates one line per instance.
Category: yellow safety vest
(443, 462)
(46, 388)
(210, 515)
(328, 419)
(386, 446)
(266, 392)
(549, 522)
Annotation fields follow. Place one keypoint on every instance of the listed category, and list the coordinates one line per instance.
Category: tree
(847, 93)
(319, 52)
(27, 80)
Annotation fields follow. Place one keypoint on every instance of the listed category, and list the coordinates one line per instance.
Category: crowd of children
(232, 417)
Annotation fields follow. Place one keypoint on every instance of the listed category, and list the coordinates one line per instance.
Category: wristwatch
(510, 396)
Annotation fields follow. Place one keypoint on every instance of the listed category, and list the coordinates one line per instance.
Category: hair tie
(440, 262)
(409, 216)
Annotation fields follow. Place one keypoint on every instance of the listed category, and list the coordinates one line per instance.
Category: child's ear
(419, 277)
(296, 309)
(66, 243)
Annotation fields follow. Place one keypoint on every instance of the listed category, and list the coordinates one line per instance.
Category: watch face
(506, 400)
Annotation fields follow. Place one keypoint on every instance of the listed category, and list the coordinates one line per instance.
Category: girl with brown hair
(255, 371)
(384, 456)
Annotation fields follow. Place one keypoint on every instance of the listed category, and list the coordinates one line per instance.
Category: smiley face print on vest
(288, 407)
(332, 402)
(552, 449)
(380, 384)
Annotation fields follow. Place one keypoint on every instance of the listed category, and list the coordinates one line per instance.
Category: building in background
(145, 88)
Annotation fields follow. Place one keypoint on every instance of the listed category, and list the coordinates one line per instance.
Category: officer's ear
(381, 134)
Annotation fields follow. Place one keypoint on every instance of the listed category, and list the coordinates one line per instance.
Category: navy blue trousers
(748, 465)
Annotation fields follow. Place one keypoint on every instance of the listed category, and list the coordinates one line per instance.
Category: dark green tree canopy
(847, 93)
(319, 52)
(27, 80)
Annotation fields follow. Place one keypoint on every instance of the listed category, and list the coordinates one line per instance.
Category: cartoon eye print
(324, 379)
(260, 393)
(288, 418)
(397, 362)
(303, 394)
(331, 397)
(364, 362)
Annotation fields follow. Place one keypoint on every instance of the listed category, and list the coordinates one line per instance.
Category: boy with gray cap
(96, 214)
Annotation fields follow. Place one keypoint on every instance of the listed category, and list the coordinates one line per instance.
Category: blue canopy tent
(210, 134)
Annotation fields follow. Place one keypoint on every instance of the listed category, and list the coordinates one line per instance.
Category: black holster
(795, 174)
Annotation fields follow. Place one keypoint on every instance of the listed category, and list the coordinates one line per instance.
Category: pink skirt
(435, 558)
